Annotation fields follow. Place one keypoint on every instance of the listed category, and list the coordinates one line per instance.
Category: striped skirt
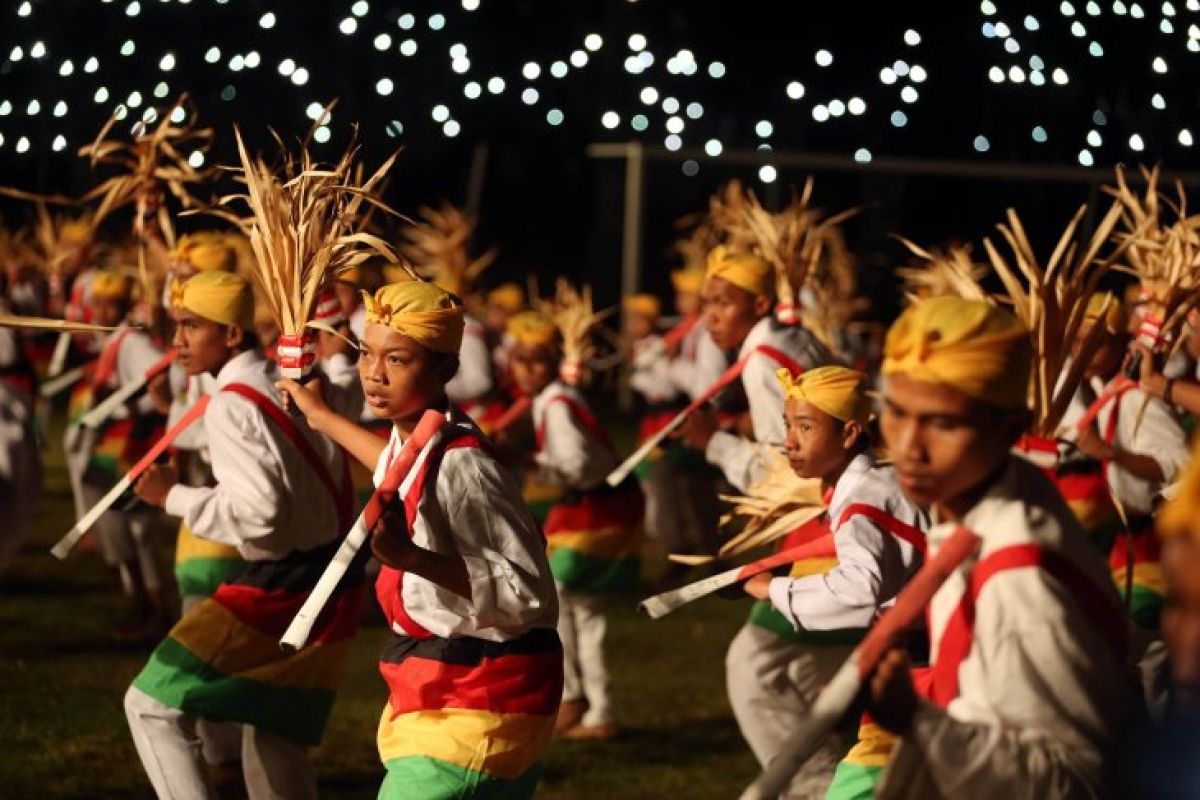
(1148, 584)
(201, 566)
(594, 539)
(467, 718)
(222, 661)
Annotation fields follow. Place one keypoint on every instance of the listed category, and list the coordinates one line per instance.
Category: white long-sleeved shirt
(651, 373)
(473, 380)
(699, 363)
(1042, 697)
(873, 565)
(268, 500)
(570, 455)
(135, 354)
(1145, 428)
(194, 436)
(739, 458)
(471, 507)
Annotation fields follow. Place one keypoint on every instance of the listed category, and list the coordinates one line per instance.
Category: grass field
(62, 676)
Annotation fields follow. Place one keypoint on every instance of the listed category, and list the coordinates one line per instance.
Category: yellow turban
(689, 279)
(838, 391)
(976, 348)
(508, 296)
(222, 297)
(207, 251)
(1115, 320)
(1180, 516)
(75, 231)
(421, 311)
(111, 284)
(645, 304)
(744, 270)
(532, 328)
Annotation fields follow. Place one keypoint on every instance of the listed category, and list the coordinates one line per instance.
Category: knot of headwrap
(974, 347)
(419, 310)
(222, 297)
(744, 270)
(838, 391)
(532, 328)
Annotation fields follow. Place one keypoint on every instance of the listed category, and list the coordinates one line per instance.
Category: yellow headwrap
(1115, 319)
(75, 231)
(111, 284)
(508, 296)
(688, 279)
(1180, 516)
(421, 311)
(207, 251)
(838, 391)
(645, 304)
(222, 297)
(744, 270)
(976, 348)
(532, 328)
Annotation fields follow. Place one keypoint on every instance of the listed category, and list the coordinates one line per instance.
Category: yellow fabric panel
(873, 748)
(217, 637)
(500, 745)
(1149, 576)
(612, 543)
(812, 566)
(188, 546)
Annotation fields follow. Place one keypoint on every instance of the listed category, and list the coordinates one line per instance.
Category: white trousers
(124, 537)
(172, 755)
(772, 683)
(581, 626)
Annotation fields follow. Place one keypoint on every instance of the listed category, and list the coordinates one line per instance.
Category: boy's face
(495, 317)
(687, 303)
(1108, 356)
(401, 378)
(533, 367)
(730, 312)
(816, 443)
(108, 311)
(640, 326)
(944, 444)
(1181, 612)
(203, 345)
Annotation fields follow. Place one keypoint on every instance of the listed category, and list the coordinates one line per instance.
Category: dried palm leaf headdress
(438, 244)
(943, 272)
(304, 222)
(572, 312)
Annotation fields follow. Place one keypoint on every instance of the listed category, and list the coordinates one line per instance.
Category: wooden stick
(63, 547)
(103, 410)
(57, 384)
(662, 604)
(840, 692)
(400, 475)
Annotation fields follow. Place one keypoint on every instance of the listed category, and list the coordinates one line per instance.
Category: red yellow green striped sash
(594, 539)
(200, 565)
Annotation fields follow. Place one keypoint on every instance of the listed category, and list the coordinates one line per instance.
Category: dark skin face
(534, 367)
(108, 311)
(688, 303)
(730, 312)
(1181, 617)
(946, 447)
(1109, 354)
(204, 345)
(640, 326)
(818, 445)
(401, 378)
(495, 317)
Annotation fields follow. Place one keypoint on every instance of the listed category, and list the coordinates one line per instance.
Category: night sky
(1075, 85)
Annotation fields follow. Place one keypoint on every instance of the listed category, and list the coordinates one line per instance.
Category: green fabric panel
(766, 616)
(425, 778)
(581, 572)
(853, 782)
(177, 678)
(1146, 607)
(200, 577)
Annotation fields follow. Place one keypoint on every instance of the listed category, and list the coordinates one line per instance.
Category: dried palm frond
(438, 245)
(943, 272)
(831, 299)
(692, 248)
(1163, 255)
(573, 314)
(773, 507)
(1052, 302)
(58, 239)
(303, 222)
(794, 241)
